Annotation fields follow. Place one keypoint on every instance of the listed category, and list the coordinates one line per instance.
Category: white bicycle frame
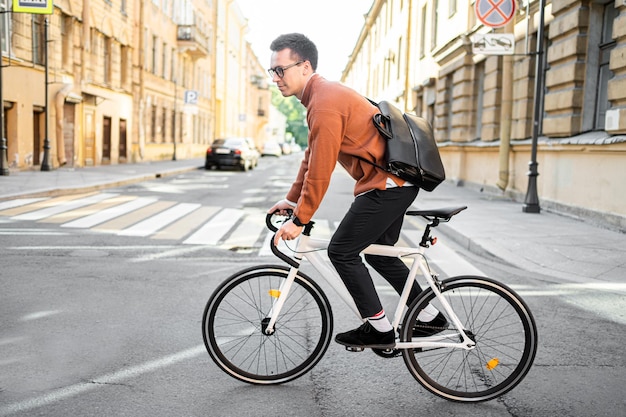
(312, 249)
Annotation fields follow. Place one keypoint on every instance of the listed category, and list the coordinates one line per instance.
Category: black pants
(374, 217)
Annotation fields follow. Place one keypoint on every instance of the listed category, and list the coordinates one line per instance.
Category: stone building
(428, 56)
(127, 81)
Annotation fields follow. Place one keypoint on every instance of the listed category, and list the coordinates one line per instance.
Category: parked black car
(232, 152)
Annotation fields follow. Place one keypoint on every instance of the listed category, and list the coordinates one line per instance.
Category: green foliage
(295, 113)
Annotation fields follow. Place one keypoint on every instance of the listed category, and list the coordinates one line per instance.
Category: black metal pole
(4, 163)
(531, 202)
(45, 163)
(174, 119)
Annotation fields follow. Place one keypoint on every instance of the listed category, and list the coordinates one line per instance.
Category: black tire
(233, 320)
(502, 327)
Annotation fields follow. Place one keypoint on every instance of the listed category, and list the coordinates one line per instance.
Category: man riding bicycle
(341, 130)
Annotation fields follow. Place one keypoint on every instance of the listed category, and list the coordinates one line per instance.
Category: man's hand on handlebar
(283, 207)
(288, 230)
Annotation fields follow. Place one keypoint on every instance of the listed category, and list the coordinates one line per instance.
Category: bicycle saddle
(440, 213)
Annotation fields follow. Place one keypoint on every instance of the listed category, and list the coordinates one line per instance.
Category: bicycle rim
(233, 322)
(501, 325)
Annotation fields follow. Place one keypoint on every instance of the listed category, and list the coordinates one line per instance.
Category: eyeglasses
(280, 71)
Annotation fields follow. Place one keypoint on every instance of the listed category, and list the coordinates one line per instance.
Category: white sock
(427, 314)
(380, 322)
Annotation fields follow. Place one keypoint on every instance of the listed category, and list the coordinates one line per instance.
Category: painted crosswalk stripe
(110, 213)
(153, 224)
(38, 205)
(68, 205)
(19, 202)
(247, 233)
(215, 229)
(127, 220)
(68, 216)
(187, 224)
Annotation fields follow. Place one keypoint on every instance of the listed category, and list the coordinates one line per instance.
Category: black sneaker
(367, 336)
(425, 329)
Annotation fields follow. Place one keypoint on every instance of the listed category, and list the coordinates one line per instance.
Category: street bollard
(4, 163)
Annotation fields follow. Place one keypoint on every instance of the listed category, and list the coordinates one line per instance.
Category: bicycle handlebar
(275, 251)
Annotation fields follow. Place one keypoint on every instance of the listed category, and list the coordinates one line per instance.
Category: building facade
(428, 57)
(126, 81)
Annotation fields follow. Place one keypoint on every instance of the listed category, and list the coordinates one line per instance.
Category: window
(433, 27)
(607, 43)
(423, 32)
(107, 60)
(124, 65)
(66, 39)
(164, 125)
(153, 124)
(173, 131)
(164, 60)
(451, 8)
(173, 65)
(39, 39)
(400, 56)
(5, 23)
(479, 88)
(449, 108)
(153, 65)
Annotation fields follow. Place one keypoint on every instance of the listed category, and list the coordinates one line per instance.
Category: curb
(55, 192)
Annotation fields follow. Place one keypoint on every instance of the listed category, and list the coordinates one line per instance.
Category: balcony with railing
(193, 41)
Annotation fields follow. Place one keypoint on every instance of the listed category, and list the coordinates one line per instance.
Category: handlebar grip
(270, 225)
(268, 220)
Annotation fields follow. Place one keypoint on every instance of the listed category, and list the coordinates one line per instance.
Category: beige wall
(443, 86)
(216, 62)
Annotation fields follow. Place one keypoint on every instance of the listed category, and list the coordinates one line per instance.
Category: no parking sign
(495, 13)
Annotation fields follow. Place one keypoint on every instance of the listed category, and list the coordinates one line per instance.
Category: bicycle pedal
(354, 349)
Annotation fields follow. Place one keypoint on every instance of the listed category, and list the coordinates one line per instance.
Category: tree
(295, 113)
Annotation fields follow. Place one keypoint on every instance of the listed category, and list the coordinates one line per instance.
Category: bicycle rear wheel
(498, 321)
(238, 312)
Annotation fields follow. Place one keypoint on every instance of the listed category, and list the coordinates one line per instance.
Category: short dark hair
(299, 44)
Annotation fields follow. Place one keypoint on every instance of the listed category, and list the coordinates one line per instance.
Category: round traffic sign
(494, 13)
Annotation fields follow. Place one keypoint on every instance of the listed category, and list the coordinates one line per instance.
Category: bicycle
(270, 324)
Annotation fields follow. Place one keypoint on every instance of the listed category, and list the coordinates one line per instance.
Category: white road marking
(65, 206)
(101, 381)
(110, 213)
(153, 224)
(213, 231)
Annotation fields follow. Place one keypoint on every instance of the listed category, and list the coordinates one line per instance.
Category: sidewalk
(549, 244)
(61, 180)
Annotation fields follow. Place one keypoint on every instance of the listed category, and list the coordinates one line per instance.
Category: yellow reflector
(492, 363)
(274, 293)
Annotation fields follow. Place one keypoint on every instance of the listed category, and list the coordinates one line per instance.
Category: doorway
(106, 140)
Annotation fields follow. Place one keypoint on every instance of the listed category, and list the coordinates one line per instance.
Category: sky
(333, 25)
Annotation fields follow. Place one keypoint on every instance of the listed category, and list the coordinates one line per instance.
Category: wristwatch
(297, 221)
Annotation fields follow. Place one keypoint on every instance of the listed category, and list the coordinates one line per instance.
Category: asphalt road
(98, 323)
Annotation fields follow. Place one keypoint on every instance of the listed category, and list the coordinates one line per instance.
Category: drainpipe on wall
(506, 111)
(59, 100)
(407, 65)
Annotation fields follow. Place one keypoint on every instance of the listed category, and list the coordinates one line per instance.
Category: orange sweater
(340, 130)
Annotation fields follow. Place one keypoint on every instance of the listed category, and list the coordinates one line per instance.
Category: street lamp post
(174, 118)
(531, 202)
(4, 163)
(45, 163)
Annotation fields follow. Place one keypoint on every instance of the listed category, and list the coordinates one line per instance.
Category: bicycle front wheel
(237, 314)
(500, 324)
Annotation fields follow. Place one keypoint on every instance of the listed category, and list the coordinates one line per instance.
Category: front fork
(280, 295)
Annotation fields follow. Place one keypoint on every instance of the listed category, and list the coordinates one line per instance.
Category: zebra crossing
(153, 218)
(191, 224)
